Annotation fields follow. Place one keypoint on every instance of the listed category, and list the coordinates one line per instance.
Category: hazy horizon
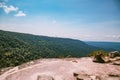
(86, 20)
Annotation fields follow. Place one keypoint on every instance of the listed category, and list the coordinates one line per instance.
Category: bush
(94, 53)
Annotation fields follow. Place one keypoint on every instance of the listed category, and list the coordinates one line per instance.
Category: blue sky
(87, 20)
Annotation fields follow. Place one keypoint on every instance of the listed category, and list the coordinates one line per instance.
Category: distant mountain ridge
(105, 45)
(17, 48)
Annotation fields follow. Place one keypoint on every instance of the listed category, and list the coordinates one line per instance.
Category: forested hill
(17, 48)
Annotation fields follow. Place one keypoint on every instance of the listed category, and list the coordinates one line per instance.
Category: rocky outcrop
(114, 54)
(82, 76)
(44, 77)
(64, 69)
(98, 58)
(112, 57)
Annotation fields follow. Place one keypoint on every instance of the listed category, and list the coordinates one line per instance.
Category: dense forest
(17, 48)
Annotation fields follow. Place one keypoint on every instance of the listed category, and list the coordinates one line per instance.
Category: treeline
(17, 48)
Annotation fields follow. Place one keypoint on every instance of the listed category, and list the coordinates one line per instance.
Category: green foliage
(96, 52)
(17, 48)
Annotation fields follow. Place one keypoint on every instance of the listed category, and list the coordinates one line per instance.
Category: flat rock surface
(64, 69)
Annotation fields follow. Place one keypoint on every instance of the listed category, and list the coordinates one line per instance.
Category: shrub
(94, 53)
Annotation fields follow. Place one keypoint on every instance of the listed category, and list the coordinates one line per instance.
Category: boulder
(81, 76)
(44, 77)
(85, 77)
(98, 58)
(114, 54)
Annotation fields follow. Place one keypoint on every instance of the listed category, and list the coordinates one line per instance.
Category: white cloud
(9, 9)
(20, 13)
